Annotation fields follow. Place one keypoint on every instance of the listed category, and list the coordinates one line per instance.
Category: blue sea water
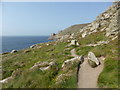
(9, 43)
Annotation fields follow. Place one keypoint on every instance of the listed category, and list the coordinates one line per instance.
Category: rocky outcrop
(98, 43)
(14, 74)
(52, 66)
(6, 80)
(53, 36)
(74, 42)
(68, 63)
(45, 66)
(107, 21)
(40, 64)
(92, 60)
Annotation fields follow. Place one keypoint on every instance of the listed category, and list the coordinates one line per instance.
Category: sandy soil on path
(88, 76)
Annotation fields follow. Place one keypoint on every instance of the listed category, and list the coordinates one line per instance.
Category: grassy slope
(73, 29)
(109, 76)
(37, 78)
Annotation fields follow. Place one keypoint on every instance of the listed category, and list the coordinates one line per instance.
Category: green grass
(109, 76)
(68, 82)
(57, 53)
(35, 78)
(93, 38)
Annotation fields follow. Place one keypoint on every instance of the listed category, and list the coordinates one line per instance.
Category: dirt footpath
(87, 77)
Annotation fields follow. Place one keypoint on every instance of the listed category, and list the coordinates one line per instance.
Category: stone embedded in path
(92, 60)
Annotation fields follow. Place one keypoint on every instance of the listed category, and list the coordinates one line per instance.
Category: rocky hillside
(90, 53)
(72, 29)
(68, 31)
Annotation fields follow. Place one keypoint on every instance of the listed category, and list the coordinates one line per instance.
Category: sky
(44, 18)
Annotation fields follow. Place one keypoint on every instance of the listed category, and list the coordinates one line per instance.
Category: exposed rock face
(45, 66)
(68, 63)
(98, 43)
(74, 42)
(13, 51)
(93, 61)
(6, 80)
(40, 64)
(107, 21)
(53, 36)
(14, 74)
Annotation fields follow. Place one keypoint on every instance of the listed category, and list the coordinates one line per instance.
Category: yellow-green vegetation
(109, 76)
(73, 29)
(36, 78)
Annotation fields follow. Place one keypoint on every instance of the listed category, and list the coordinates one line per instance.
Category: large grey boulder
(92, 60)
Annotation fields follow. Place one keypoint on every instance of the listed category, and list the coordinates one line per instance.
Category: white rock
(73, 42)
(6, 80)
(13, 51)
(45, 68)
(92, 57)
(71, 61)
(84, 34)
(32, 46)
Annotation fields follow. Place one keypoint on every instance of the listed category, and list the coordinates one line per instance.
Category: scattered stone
(98, 43)
(95, 25)
(49, 50)
(47, 44)
(70, 62)
(114, 38)
(71, 36)
(103, 29)
(61, 77)
(45, 66)
(13, 51)
(5, 53)
(26, 51)
(74, 42)
(53, 36)
(40, 64)
(32, 46)
(52, 66)
(84, 34)
(92, 60)
(14, 74)
(6, 80)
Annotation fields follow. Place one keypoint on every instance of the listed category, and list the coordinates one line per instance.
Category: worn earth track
(88, 76)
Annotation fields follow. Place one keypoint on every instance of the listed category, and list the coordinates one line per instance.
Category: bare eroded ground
(88, 76)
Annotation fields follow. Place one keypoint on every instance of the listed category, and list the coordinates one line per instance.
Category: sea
(9, 43)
